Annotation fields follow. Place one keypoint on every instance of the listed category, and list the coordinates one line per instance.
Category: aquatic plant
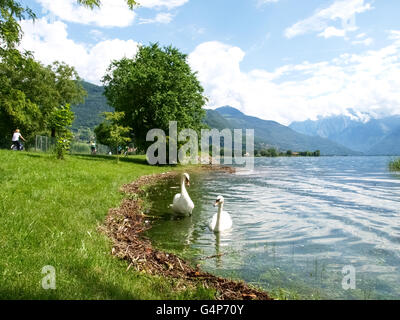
(395, 165)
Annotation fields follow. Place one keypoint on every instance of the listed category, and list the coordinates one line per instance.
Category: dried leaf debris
(125, 225)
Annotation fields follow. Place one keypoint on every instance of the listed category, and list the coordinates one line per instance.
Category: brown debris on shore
(124, 226)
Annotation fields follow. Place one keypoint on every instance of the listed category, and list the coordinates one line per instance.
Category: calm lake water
(296, 223)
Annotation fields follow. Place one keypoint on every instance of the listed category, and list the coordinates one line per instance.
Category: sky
(282, 60)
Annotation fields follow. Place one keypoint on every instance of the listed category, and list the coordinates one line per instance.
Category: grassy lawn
(49, 214)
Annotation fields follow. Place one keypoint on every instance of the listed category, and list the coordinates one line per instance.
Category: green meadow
(50, 211)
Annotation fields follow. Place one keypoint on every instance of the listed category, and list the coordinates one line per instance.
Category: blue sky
(283, 60)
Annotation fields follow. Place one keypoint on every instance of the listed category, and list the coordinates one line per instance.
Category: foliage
(272, 152)
(310, 153)
(31, 92)
(155, 87)
(11, 12)
(61, 121)
(395, 165)
(84, 134)
(63, 144)
(97, 3)
(111, 133)
(88, 114)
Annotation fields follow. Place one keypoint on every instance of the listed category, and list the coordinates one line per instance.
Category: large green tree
(153, 88)
(30, 93)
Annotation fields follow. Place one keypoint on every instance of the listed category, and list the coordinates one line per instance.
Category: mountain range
(272, 134)
(267, 133)
(372, 137)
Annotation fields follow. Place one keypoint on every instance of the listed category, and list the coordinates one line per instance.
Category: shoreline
(125, 225)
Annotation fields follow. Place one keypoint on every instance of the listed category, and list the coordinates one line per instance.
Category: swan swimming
(182, 203)
(221, 220)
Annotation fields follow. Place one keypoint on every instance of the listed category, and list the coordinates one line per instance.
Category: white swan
(182, 203)
(221, 220)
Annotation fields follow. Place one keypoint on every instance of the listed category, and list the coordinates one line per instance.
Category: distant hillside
(267, 133)
(389, 145)
(215, 120)
(273, 134)
(88, 114)
(361, 136)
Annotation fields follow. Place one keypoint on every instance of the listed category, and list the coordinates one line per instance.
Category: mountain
(326, 127)
(272, 134)
(88, 114)
(267, 133)
(215, 120)
(389, 145)
(354, 134)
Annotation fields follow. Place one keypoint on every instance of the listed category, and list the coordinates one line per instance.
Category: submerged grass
(50, 211)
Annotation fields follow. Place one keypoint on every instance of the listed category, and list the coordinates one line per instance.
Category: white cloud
(332, 32)
(169, 4)
(163, 17)
(366, 42)
(261, 2)
(340, 10)
(50, 42)
(394, 34)
(112, 13)
(365, 82)
(97, 35)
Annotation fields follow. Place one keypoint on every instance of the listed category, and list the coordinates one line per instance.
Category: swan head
(219, 201)
(186, 179)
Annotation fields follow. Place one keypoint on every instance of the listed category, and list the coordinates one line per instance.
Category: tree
(272, 152)
(155, 87)
(31, 92)
(11, 12)
(61, 120)
(111, 133)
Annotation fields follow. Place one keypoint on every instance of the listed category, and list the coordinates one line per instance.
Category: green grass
(395, 165)
(50, 211)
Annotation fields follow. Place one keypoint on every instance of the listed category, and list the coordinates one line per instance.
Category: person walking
(93, 147)
(15, 139)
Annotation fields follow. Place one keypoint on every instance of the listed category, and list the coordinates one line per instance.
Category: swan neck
(183, 188)
(220, 208)
(219, 214)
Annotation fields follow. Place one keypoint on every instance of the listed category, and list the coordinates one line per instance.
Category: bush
(395, 165)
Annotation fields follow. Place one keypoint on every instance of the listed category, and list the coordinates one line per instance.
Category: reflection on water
(296, 223)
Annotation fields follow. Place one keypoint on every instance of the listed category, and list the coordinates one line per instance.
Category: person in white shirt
(15, 139)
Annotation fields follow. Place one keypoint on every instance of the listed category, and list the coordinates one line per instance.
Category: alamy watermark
(189, 152)
(49, 280)
(349, 278)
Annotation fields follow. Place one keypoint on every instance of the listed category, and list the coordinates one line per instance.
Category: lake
(297, 222)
